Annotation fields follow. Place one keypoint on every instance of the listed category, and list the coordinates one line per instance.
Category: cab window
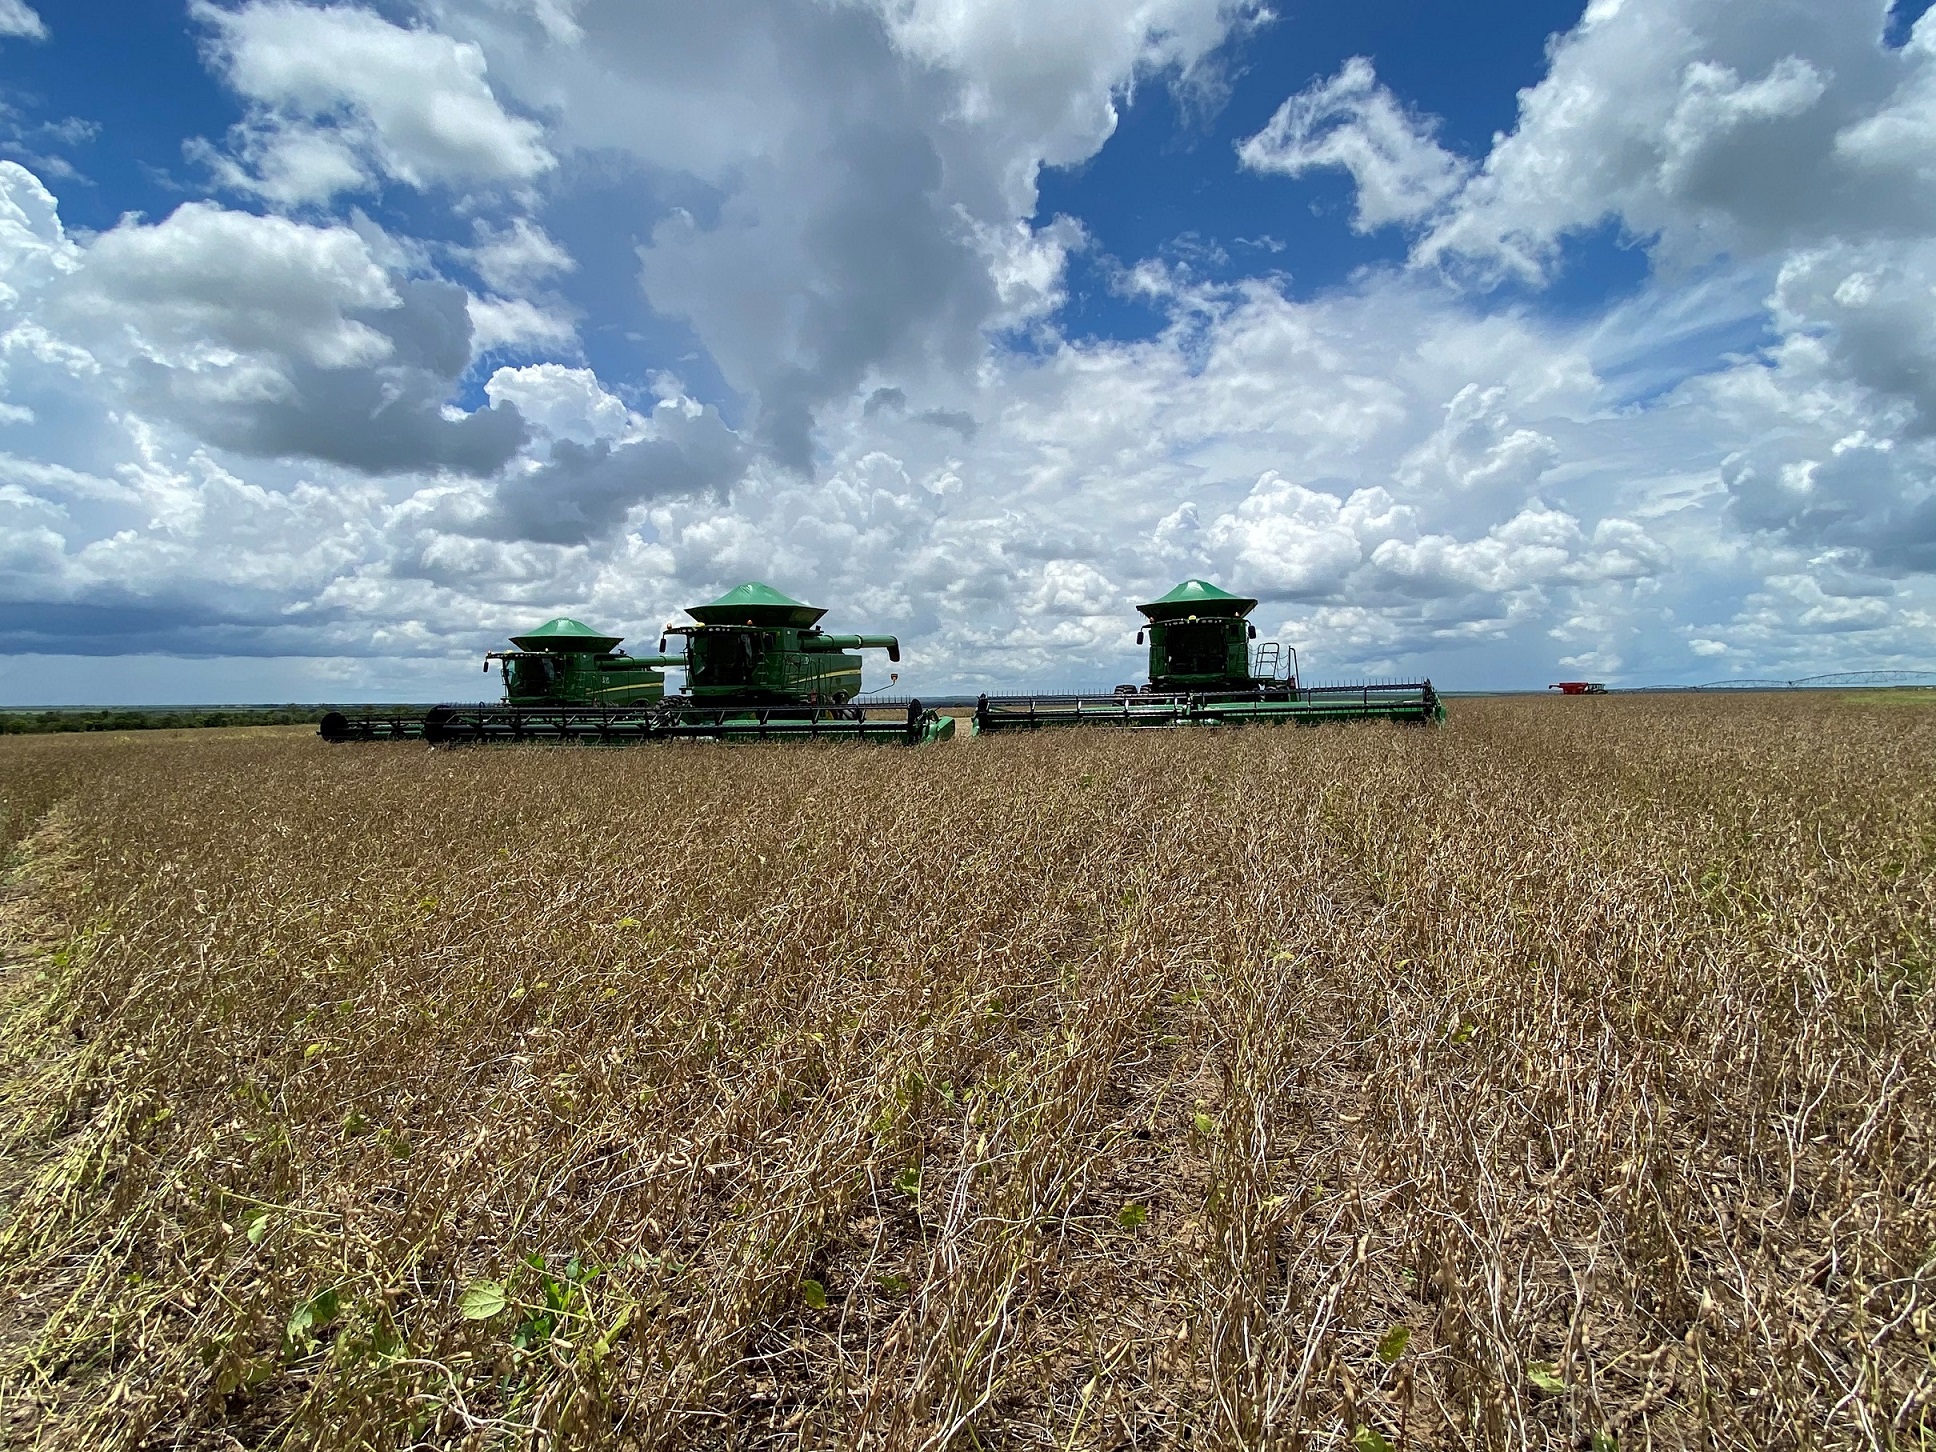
(1197, 648)
(727, 657)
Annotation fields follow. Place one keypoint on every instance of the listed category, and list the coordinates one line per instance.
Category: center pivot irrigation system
(759, 668)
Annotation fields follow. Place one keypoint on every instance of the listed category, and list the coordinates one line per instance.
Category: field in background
(1562, 1077)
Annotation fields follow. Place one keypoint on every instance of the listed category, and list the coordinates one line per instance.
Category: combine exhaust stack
(758, 668)
(1204, 672)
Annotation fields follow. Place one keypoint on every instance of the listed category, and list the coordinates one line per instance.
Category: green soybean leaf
(1131, 1216)
(308, 1321)
(1392, 1344)
(1545, 1376)
(1205, 1124)
(482, 1300)
(1370, 1439)
(814, 1294)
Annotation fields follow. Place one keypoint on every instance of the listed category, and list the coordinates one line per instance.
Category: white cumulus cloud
(1706, 126)
(19, 18)
(1352, 122)
(340, 97)
(873, 164)
(206, 287)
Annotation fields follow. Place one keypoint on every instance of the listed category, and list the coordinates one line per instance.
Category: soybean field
(1561, 1078)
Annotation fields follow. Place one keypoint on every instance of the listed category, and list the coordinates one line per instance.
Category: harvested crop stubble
(1558, 1078)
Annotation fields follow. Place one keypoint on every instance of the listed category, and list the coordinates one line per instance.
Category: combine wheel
(335, 726)
(436, 727)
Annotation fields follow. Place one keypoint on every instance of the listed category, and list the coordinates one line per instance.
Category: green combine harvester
(1205, 672)
(758, 668)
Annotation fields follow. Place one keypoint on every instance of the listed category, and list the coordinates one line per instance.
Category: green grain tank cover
(755, 604)
(568, 637)
(1197, 597)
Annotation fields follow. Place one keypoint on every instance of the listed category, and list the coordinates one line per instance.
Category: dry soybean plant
(1559, 1078)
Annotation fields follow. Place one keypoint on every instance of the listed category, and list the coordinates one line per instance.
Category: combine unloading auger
(758, 668)
(1204, 672)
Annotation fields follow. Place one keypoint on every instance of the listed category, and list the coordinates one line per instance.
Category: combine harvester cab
(757, 666)
(566, 662)
(1204, 671)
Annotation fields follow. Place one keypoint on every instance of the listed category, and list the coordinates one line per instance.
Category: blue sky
(1165, 182)
(340, 341)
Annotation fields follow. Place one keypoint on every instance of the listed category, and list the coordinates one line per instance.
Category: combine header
(1205, 672)
(758, 668)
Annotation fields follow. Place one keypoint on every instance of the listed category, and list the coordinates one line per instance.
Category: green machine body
(754, 646)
